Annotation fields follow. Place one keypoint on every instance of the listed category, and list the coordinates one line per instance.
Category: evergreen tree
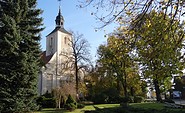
(20, 54)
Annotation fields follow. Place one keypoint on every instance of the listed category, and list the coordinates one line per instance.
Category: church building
(57, 42)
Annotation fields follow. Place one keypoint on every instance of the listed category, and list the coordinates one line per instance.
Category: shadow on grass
(130, 109)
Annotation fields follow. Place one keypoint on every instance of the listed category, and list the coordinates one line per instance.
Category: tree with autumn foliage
(117, 57)
(159, 47)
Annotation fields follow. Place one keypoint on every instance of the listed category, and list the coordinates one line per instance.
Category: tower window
(51, 41)
(65, 40)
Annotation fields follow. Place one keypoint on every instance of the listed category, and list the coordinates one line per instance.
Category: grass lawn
(86, 108)
(115, 108)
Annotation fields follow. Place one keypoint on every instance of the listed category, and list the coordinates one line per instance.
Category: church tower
(57, 42)
(58, 39)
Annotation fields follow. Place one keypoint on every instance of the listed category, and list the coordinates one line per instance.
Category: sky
(76, 19)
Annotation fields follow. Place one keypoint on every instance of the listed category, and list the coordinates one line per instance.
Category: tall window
(51, 41)
(51, 44)
(65, 40)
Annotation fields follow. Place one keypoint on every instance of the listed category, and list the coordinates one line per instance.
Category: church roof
(59, 29)
(45, 59)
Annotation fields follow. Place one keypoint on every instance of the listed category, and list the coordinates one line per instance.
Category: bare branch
(108, 11)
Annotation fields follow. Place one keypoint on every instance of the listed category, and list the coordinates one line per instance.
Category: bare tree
(61, 93)
(124, 11)
(79, 58)
(58, 94)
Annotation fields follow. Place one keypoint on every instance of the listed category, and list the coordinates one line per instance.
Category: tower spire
(59, 18)
(59, 11)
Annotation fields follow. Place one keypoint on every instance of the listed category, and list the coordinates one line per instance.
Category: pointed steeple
(59, 19)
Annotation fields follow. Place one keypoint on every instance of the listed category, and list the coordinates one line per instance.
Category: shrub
(112, 95)
(80, 106)
(70, 103)
(124, 99)
(109, 95)
(44, 102)
(70, 106)
(100, 98)
(48, 95)
(138, 99)
(130, 99)
(48, 103)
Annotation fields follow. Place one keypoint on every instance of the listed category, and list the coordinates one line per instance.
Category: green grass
(53, 110)
(86, 108)
(113, 108)
(101, 106)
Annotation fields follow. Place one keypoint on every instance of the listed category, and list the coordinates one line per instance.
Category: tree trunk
(125, 89)
(132, 91)
(76, 76)
(125, 80)
(124, 86)
(118, 85)
(59, 101)
(158, 93)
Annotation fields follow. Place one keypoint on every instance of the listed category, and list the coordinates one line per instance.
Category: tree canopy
(20, 54)
(159, 47)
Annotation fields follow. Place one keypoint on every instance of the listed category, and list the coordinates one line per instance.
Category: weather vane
(59, 2)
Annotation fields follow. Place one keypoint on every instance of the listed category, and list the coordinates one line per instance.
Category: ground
(114, 108)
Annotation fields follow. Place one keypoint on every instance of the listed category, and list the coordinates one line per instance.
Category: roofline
(58, 29)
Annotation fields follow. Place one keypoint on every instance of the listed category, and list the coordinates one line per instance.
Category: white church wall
(43, 81)
(51, 42)
(63, 42)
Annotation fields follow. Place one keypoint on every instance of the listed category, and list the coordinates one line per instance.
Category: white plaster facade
(57, 42)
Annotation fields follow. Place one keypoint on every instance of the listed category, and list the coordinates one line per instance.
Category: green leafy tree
(179, 83)
(159, 47)
(117, 58)
(20, 54)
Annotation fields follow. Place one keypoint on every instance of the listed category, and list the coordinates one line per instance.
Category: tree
(20, 54)
(159, 47)
(58, 96)
(179, 83)
(61, 93)
(123, 11)
(79, 57)
(117, 58)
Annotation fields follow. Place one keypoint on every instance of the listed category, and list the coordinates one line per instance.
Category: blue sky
(76, 19)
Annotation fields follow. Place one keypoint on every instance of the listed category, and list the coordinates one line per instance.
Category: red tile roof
(45, 58)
